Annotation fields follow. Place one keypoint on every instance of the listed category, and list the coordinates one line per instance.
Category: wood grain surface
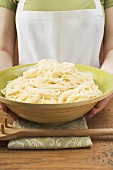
(99, 156)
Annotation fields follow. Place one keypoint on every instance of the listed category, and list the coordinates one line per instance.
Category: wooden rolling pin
(9, 132)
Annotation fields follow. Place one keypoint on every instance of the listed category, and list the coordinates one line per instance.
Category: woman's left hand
(99, 106)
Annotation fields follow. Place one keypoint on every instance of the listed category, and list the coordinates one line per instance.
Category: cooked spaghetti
(50, 82)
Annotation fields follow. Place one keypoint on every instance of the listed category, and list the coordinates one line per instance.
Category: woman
(63, 30)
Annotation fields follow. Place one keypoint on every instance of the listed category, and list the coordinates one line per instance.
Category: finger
(91, 113)
(3, 107)
(94, 111)
(102, 103)
(8, 112)
(13, 115)
(99, 106)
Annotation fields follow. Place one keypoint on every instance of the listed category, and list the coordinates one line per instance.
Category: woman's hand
(99, 106)
(7, 111)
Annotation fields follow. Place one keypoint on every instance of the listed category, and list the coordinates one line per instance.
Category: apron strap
(98, 7)
(21, 5)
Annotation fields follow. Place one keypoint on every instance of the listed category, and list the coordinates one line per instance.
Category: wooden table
(99, 156)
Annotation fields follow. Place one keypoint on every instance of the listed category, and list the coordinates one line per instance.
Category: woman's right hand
(7, 111)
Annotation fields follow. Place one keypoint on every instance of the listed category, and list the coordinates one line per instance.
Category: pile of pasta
(50, 82)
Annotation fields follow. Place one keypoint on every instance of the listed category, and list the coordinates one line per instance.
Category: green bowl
(55, 113)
